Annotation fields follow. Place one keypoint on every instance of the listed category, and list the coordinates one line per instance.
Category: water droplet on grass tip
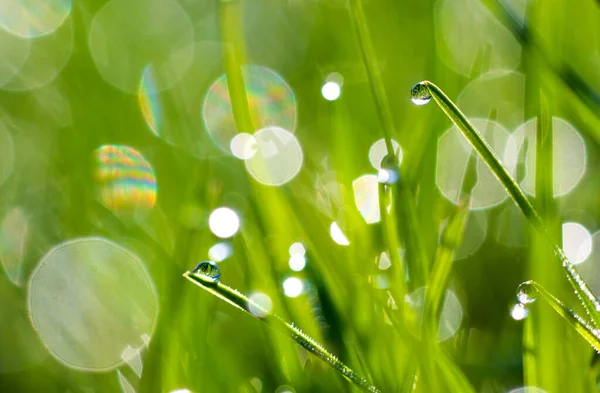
(519, 312)
(419, 94)
(527, 293)
(209, 270)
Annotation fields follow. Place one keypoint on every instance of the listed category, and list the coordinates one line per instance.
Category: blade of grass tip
(421, 94)
(528, 293)
(450, 240)
(241, 302)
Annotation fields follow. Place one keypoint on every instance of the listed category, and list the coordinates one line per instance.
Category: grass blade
(583, 327)
(242, 302)
(404, 200)
(589, 301)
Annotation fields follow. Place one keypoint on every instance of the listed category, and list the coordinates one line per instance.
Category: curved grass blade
(242, 302)
(583, 327)
(588, 299)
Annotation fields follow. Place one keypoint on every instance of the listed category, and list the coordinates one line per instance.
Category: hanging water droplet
(419, 94)
(519, 312)
(527, 293)
(208, 270)
(388, 174)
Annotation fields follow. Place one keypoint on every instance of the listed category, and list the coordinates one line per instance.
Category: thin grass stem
(243, 303)
(583, 327)
(234, 58)
(418, 264)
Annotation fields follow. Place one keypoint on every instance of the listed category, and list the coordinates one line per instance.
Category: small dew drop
(388, 174)
(519, 312)
(419, 94)
(208, 270)
(527, 293)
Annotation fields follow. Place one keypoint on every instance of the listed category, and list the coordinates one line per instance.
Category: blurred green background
(116, 125)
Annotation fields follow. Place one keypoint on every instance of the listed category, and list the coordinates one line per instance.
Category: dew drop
(208, 270)
(527, 293)
(419, 94)
(519, 312)
(388, 174)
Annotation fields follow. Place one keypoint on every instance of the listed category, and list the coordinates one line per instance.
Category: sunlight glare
(224, 222)
(293, 287)
(366, 197)
(577, 242)
(297, 262)
(265, 304)
(331, 91)
(337, 235)
(519, 312)
(219, 252)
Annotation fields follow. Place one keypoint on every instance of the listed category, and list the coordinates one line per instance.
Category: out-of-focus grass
(205, 345)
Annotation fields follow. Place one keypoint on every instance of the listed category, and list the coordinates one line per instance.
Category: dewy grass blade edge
(588, 299)
(242, 302)
(583, 327)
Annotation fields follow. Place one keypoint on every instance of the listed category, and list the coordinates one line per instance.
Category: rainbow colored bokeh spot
(271, 102)
(126, 179)
(149, 101)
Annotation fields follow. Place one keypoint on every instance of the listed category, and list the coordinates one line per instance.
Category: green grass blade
(436, 288)
(410, 230)
(589, 301)
(450, 240)
(583, 327)
(404, 200)
(234, 54)
(243, 303)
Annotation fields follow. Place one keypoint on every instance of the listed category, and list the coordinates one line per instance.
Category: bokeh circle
(89, 299)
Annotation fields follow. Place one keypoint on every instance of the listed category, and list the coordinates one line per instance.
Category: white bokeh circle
(378, 151)
(128, 35)
(278, 156)
(568, 154)
(453, 156)
(451, 314)
(89, 299)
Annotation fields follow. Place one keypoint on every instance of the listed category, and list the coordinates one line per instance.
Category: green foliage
(358, 317)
